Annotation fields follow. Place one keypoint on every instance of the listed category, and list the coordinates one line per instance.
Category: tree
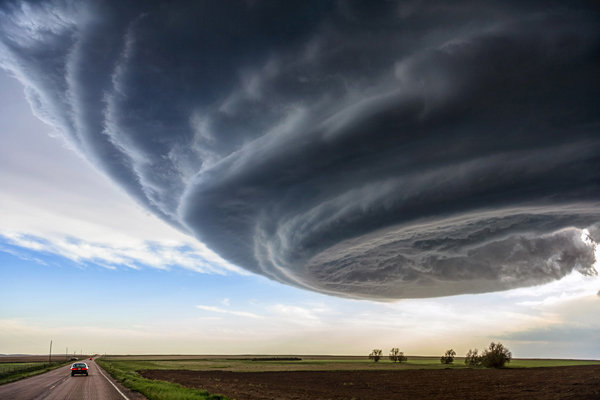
(394, 354)
(402, 358)
(376, 355)
(397, 356)
(496, 356)
(473, 358)
(448, 358)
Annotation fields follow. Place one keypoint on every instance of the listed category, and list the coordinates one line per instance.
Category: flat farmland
(336, 377)
(311, 363)
(577, 382)
(38, 358)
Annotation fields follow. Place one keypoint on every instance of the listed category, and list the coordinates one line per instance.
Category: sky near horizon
(299, 179)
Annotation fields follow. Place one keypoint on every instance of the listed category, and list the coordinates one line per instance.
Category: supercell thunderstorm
(391, 150)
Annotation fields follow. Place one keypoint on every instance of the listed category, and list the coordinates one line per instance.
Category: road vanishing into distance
(60, 385)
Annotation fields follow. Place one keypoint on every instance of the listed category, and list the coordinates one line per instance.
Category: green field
(315, 364)
(13, 371)
(5, 367)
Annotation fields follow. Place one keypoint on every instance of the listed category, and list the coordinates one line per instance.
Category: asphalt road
(60, 385)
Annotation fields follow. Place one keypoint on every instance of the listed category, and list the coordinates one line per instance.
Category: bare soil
(577, 382)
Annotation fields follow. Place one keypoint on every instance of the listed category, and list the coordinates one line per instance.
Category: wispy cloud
(224, 311)
(21, 255)
(299, 315)
(133, 254)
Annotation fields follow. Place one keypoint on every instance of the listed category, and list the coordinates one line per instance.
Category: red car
(79, 368)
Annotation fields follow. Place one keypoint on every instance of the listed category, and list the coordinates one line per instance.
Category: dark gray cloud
(389, 150)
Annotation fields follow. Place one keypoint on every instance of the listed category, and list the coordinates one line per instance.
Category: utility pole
(50, 355)
(67, 354)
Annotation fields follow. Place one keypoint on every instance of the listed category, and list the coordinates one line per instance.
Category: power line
(25, 340)
(22, 333)
(12, 327)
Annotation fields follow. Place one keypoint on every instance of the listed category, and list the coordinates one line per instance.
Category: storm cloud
(374, 150)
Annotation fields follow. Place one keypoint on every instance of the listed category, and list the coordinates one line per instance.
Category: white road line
(109, 381)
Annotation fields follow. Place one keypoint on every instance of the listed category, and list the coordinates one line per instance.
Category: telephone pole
(50, 355)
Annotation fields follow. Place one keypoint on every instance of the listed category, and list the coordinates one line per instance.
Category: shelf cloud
(402, 149)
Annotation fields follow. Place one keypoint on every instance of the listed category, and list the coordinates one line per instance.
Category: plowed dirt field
(577, 382)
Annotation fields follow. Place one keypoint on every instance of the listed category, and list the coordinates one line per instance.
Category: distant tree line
(276, 359)
(496, 356)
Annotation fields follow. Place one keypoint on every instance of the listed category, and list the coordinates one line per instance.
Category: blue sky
(89, 307)
(252, 215)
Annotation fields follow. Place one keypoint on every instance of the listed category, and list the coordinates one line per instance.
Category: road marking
(109, 381)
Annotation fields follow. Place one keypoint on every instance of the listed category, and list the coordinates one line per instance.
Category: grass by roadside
(126, 374)
(8, 367)
(11, 372)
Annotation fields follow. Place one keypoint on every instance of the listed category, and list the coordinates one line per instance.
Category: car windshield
(79, 365)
